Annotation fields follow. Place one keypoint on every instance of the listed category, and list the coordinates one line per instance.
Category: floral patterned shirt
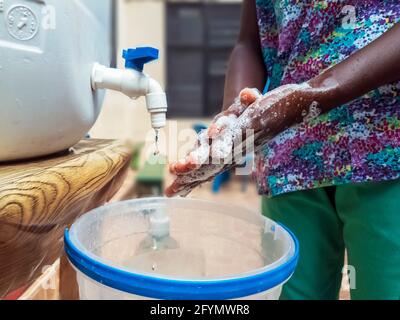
(353, 143)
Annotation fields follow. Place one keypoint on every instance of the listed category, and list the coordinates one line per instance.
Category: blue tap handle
(136, 58)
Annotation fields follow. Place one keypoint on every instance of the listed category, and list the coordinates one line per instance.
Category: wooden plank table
(40, 198)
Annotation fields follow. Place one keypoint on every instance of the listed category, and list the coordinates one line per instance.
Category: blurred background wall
(186, 30)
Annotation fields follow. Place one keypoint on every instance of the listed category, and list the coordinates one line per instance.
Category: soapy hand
(223, 145)
(221, 127)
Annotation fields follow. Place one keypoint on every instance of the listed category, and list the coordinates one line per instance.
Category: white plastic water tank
(47, 52)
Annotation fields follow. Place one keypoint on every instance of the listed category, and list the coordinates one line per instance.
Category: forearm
(246, 68)
(375, 65)
(250, 74)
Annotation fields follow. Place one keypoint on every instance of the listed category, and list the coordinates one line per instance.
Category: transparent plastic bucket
(158, 248)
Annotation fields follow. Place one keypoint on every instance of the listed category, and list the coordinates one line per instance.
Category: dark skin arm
(375, 65)
(246, 66)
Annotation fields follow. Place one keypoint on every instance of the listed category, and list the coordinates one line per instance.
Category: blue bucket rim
(157, 287)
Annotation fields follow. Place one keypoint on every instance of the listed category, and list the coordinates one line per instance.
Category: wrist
(291, 104)
(326, 91)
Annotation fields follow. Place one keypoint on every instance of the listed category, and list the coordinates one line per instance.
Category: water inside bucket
(205, 240)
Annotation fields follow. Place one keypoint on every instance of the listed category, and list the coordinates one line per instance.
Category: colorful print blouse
(353, 143)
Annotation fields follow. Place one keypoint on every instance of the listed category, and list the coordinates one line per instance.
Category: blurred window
(200, 38)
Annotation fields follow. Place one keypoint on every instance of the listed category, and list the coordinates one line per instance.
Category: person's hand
(198, 167)
(221, 122)
(217, 147)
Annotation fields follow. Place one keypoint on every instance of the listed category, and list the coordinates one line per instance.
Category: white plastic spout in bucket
(160, 248)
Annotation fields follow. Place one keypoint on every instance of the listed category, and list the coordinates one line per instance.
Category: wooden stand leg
(68, 285)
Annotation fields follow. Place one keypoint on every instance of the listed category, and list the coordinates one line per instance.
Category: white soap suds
(222, 144)
(202, 153)
(313, 112)
(228, 133)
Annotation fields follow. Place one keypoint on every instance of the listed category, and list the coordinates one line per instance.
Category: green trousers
(363, 219)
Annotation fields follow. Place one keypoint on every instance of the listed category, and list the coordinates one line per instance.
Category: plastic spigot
(136, 58)
(134, 83)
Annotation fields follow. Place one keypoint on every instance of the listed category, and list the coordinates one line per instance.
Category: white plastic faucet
(134, 83)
